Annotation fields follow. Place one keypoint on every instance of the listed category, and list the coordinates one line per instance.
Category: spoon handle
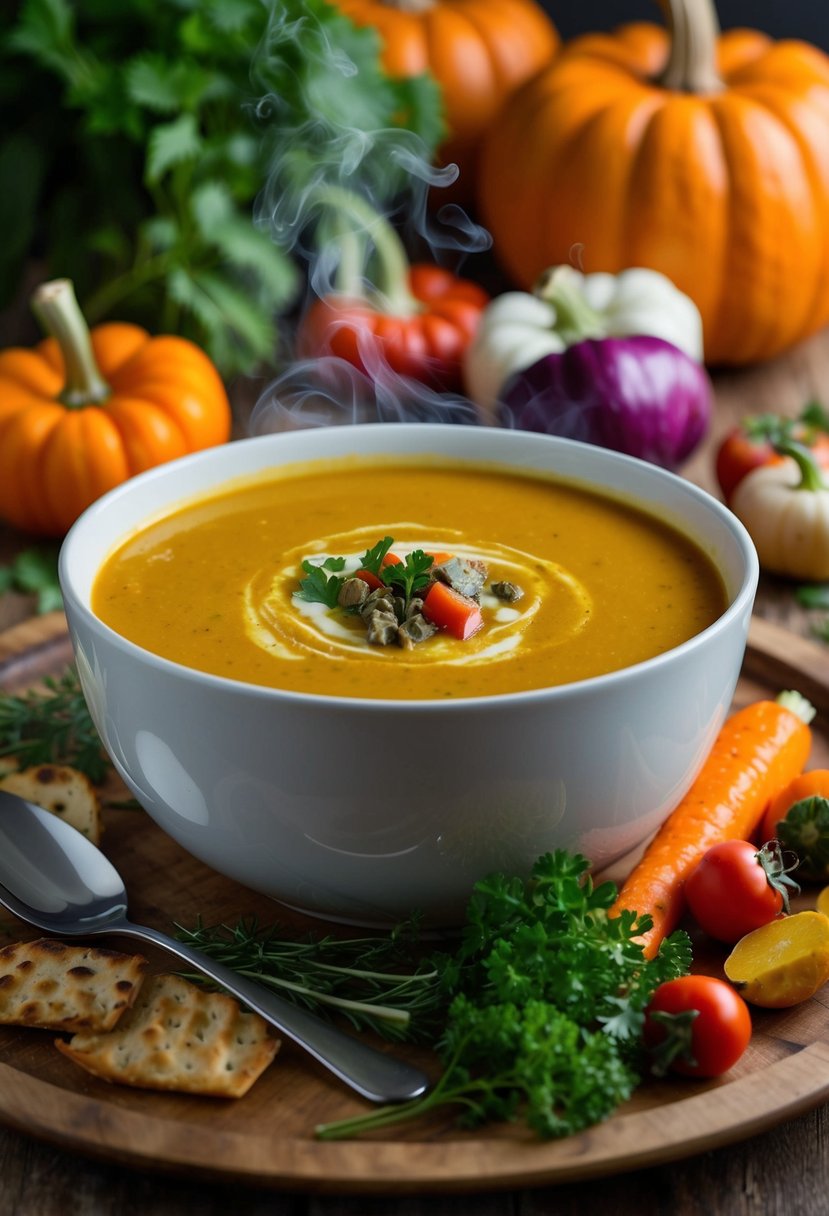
(378, 1077)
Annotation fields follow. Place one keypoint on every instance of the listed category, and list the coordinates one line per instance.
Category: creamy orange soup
(214, 584)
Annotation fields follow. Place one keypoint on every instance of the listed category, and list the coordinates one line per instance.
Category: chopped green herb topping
(372, 559)
(409, 576)
(318, 587)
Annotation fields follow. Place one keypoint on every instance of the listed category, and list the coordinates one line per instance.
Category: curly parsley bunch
(546, 1005)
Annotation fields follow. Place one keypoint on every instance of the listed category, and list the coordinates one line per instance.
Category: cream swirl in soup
(330, 634)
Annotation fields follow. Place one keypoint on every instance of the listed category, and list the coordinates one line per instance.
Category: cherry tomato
(736, 887)
(697, 1026)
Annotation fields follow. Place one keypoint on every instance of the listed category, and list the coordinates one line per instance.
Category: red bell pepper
(417, 319)
(449, 610)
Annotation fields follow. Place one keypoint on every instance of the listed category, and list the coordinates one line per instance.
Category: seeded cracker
(64, 791)
(58, 987)
(178, 1037)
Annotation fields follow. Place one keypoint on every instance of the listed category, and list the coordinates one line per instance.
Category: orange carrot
(450, 610)
(758, 751)
(438, 558)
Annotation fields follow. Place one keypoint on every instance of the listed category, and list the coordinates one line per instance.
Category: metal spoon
(54, 878)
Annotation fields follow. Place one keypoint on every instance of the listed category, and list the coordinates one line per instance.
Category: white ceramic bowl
(269, 787)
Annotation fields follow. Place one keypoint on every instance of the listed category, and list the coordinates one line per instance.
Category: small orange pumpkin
(705, 157)
(82, 412)
(478, 51)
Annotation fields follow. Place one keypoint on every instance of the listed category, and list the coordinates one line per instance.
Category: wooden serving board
(267, 1137)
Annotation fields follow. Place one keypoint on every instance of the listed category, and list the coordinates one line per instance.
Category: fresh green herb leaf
(383, 984)
(314, 63)
(814, 596)
(132, 110)
(537, 1013)
(171, 144)
(506, 1059)
(318, 587)
(822, 631)
(547, 996)
(815, 416)
(35, 572)
(52, 727)
(410, 575)
(810, 423)
(372, 559)
(768, 427)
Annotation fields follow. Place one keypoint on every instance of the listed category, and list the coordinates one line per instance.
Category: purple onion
(639, 395)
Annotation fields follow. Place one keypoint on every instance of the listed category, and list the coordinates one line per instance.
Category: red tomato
(738, 455)
(426, 343)
(736, 887)
(697, 1026)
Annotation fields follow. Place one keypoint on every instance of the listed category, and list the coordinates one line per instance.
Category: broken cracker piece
(51, 985)
(64, 791)
(179, 1037)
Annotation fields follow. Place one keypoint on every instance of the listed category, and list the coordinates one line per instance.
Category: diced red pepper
(449, 610)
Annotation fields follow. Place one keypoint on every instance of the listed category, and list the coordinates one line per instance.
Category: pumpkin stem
(389, 288)
(694, 29)
(57, 309)
(811, 477)
(410, 6)
(576, 320)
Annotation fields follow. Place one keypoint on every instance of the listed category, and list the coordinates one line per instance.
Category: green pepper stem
(811, 477)
(575, 318)
(392, 282)
(57, 309)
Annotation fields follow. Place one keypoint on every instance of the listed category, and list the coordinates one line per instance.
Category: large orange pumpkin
(702, 156)
(479, 51)
(82, 411)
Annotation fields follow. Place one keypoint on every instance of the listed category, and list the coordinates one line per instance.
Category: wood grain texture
(267, 1139)
(36, 647)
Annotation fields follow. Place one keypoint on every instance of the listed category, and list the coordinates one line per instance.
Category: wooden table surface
(785, 1170)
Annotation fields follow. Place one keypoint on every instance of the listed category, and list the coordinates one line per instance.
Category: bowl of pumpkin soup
(355, 668)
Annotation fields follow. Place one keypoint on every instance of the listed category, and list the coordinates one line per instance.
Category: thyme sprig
(378, 983)
(535, 1012)
(52, 726)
